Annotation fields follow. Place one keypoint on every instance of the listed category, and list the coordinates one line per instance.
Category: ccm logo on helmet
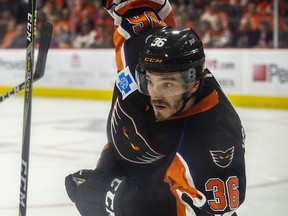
(153, 60)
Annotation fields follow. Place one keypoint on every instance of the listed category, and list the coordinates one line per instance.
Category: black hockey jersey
(198, 153)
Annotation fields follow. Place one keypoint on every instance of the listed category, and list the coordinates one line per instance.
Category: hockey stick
(30, 43)
(45, 38)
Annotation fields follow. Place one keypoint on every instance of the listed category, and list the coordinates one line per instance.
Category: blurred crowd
(85, 24)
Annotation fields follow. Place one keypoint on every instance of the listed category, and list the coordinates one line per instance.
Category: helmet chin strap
(186, 98)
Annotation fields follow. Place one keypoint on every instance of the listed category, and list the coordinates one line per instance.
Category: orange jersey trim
(170, 20)
(180, 181)
(205, 104)
(118, 41)
(106, 146)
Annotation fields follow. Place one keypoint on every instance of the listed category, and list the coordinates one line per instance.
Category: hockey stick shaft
(30, 43)
(45, 38)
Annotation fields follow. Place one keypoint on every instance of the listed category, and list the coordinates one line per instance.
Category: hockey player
(175, 143)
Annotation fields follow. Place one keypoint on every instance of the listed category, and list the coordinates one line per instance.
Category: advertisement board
(87, 69)
(227, 68)
(267, 73)
(250, 73)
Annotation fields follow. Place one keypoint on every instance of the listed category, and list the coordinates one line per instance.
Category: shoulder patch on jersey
(125, 82)
(222, 158)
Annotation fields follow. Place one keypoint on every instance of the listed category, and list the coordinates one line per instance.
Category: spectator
(67, 15)
(103, 26)
(180, 7)
(245, 36)
(82, 7)
(65, 20)
(250, 15)
(193, 13)
(62, 37)
(234, 10)
(264, 36)
(283, 35)
(10, 33)
(212, 10)
(5, 17)
(183, 21)
(264, 7)
(200, 5)
(203, 28)
(87, 38)
(218, 36)
(19, 39)
(49, 9)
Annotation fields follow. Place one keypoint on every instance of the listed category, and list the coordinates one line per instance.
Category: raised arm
(134, 17)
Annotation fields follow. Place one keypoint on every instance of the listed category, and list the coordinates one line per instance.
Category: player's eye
(166, 85)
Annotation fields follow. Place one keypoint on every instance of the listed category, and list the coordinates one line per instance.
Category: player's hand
(93, 191)
(74, 180)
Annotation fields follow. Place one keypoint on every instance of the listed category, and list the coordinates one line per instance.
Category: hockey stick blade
(44, 42)
(45, 38)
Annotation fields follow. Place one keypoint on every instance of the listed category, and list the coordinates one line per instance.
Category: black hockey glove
(98, 193)
(74, 180)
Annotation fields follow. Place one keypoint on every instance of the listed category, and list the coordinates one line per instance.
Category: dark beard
(174, 108)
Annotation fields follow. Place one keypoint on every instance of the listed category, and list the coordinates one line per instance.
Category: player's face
(166, 91)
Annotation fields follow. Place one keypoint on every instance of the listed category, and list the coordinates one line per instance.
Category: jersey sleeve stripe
(180, 180)
(120, 36)
(166, 14)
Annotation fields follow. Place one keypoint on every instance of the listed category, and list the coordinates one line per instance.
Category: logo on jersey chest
(129, 142)
(222, 158)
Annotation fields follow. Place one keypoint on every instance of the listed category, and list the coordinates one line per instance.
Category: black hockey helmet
(169, 50)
